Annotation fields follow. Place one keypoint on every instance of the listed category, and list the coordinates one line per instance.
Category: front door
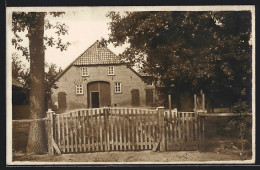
(95, 99)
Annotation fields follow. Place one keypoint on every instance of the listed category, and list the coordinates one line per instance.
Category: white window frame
(112, 72)
(84, 71)
(79, 88)
(118, 87)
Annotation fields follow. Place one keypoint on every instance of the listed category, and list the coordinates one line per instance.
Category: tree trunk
(37, 138)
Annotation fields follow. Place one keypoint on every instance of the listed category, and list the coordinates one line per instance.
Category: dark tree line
(189, 51)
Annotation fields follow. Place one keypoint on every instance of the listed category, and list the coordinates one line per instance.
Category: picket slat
(63, 134)
(128, 130)
(58, 123)
(167, 128)
(92, 130)
(192, 128)
(88, 130)
(120, 122)
(101, 130)
(171, 124)
(133, 130)
(140, 126)
(136, 131)
(71, 132)
(144, 129)
(76, 131)
(154, 128)
(83, 114)
(112, 128)
(179, 131)
(187, 127)
(96, 131)
(108, 129)
(124, 129)
(80, 130)
(116, 130)
(67, 134)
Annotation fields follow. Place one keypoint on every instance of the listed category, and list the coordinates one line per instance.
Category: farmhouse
(98, 78)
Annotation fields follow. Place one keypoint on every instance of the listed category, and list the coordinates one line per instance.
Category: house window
(85, 71)
(79, 89)
(111, 70)
(118, 88)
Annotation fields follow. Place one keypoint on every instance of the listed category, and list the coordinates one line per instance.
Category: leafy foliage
(21, 21)
(198, 50)
(22, 74)
(242, 122)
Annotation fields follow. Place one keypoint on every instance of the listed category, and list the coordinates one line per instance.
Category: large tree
(188, 51)
(34, 24)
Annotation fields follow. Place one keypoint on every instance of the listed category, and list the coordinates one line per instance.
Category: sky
(85, 26)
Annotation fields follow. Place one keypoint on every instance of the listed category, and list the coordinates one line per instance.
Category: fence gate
(124, 129)
(181, 130)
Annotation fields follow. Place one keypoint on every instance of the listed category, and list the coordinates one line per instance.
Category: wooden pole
(195, 102)
(170, 103)
(203, 107)
(161, 126)
(203, 101)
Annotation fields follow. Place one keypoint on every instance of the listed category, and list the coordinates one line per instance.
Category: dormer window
(84, 71)
(111, 70)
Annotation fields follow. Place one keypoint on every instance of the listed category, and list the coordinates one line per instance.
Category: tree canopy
(198, 50)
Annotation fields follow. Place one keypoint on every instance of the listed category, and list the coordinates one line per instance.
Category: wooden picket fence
(122, 129)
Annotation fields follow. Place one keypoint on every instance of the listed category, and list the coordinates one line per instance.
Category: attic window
(111, 70)
(79, 89)
(85, 71)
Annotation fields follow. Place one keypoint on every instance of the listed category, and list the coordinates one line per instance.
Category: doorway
(95, 99)
(101, 96)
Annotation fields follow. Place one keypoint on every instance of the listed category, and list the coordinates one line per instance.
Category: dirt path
(144, 156)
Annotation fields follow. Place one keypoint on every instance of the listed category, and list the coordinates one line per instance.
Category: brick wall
(129, 80)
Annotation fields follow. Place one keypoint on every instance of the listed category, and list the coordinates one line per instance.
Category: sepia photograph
(130, 85)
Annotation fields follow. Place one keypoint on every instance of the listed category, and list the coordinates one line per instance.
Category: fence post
(161, 126)
(50, 131)
(170, 103)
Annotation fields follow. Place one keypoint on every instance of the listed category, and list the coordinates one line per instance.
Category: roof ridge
(85, 51)
(97, 55)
